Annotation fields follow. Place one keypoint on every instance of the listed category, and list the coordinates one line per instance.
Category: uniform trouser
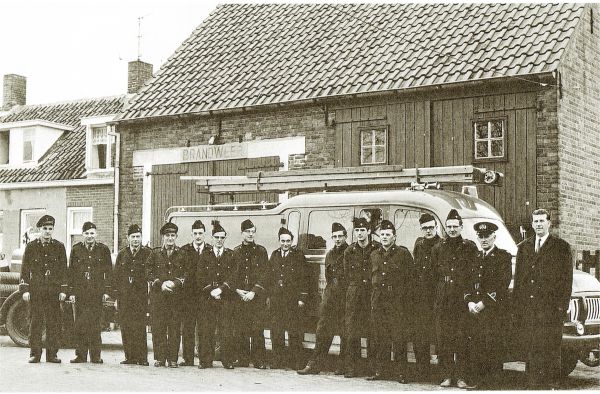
(190, 321)
(451, 345)
(422, 336)
(331, 322)
(132, 316)
(166, 327)
(250, 338)
(542, 340)
(216, 315)
(44, 308)
(356, 320)
(386, 322)
(484, 355)
(285, 317)
(88, 315)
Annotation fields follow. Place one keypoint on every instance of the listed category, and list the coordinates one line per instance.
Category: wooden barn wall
(440, 133)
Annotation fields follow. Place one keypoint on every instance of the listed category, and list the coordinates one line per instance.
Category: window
(27, 145)
(75, 219)
(373, 146)
(319, 227)
(490, 140)
(293, 224)
(408, 228)
(4, 144)
(29, 219)
(374, 216)
(99, 156)
(1, 232)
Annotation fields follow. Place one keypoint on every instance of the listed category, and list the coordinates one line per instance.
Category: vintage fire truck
(400, 195)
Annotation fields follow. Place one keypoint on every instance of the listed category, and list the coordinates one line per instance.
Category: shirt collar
(542, 239)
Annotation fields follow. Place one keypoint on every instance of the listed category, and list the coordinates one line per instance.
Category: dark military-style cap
(335, 227)
(360, 223)
(426, 217)
(134, 228)
(45, 220)
(169, 228)
(87, 226)
(485, 228)
(198, 225)
(246, 224)
(217, 228)
(387, 225)
(284, 230)
(453, 215)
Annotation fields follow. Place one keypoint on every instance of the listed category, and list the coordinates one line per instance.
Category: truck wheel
(17, 323)
(568, 363)
(591, 358)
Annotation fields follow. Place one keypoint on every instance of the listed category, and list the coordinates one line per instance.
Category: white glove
(472, 307)
(72, 298)
(249, 296)
(216, 293)
(479, 306)
(167, 286)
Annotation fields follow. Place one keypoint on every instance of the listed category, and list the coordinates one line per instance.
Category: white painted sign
(214, 152)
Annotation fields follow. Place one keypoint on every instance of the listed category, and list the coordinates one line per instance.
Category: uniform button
(531, 296)
(383, 273)
(481, 266)
(451, 269)
(480, 275)
(451, 281)
(532, 281)
(423, 267)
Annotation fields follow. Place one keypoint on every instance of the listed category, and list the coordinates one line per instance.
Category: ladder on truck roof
(344, 179)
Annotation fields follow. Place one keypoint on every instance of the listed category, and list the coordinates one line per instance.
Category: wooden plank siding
(427, 133)
(169, 190)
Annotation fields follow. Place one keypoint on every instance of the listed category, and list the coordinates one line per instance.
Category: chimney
(14, 92)
(138, 73)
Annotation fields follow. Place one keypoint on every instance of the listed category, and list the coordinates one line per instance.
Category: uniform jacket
(422, 272)
(287, 277)
(545, 277)
(357, 264)
(251, 263)
(390, 273)
(489, 278)
(213, 273)
(44, 268)
(161, 267)
(334, 267)
(89, 270)
(452, 259)
(194, 263)
(129, 275)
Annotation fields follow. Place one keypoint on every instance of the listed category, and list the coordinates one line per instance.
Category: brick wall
(248, 126)
(101, 199)
(579, 136)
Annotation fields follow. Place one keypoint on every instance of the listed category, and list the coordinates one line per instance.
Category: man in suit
(90, 269)
(542, 292)
(43, 283)
(131, 292)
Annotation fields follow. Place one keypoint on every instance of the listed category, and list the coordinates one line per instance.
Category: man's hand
(26, 296)
(62, 297)
(479, 306)
(300, 304)
(72, 299)
(249, 296)
(168, 286)
(105, 297)
(116, 305)
(216, 293)
(472, 307)
(241, 293)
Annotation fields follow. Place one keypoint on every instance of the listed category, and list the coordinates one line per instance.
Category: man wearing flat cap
(357, 272)
(390, 276)
(287, 280)
(331, 313)
(43, 284)
(218, 301)
(131, 293)
(198, 253)
(423, 294)
(452, 259)
(251, 262)
(484, 298)
(90, 269)
(166, 273)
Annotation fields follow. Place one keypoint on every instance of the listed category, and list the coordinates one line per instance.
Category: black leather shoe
(241, 364)
(204, 366)
(97, 361)
(128, 362)
(349, 374)
(402, 379)
(186, 363)
(172, 364)
(310, 369)
(339, 371)
(259, 365)
(228, 366)
(159, 363)
(34, 359)
(78, 360)
(53, 360)
(143, 363)
(376, 376)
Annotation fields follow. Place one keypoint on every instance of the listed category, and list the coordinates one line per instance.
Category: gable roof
(65, 160)
(246, 55)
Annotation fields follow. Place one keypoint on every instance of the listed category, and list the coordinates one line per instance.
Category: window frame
(39, 212)
(373, 146)
(70, 230)
(90, 124)
(28, 136)
(489, 139)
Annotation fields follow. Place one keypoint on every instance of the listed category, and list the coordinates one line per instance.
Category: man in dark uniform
(485, 295)
(423, 294)
(131, 292)
(166, 274)
(89, 275)
(198, 253)
(357, 272)
(331, 315)
(217, 302)
(287, 279)
(251, 262)
(44, 285)
(542, 292)
(452, 260)
(390, 278)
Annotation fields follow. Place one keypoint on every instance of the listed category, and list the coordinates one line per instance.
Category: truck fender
(7, 304)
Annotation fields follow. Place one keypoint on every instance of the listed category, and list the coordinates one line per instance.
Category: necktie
(538, 244)
(218, 253)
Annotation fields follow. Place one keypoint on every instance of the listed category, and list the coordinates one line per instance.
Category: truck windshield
(503, 238)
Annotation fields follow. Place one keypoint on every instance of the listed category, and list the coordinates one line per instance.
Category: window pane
(99, 135)
(497, 128)
(380, 137)
(27, 150)
(319, 227)
(78, 218)
(101, 152)
(29, 219)
(408, 228)
(366, 138)
(497, 148)
(380, 154)
(4, 144)
(481, 130)
(482, 149)
(367, 156)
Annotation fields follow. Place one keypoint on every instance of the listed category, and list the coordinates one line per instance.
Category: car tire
(591, 358)
(17, 323)
(568, 363)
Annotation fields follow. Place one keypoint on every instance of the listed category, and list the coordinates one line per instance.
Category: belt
(385, 287)
(448, 279)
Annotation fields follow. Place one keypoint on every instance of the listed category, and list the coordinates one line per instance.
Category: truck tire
(10, 278)
(17, 323)
(568, 363)
(7, 289)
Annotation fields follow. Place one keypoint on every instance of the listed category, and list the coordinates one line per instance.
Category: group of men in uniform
(447, 292)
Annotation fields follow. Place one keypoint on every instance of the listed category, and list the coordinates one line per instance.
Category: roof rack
(345, 179)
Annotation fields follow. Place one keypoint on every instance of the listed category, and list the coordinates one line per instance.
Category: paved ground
(17, 375)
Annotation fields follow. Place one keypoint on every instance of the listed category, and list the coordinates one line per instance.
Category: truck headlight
(580, 328)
